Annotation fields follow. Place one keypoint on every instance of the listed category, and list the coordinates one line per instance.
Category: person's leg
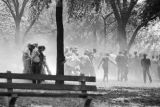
(33, 68)
(126, 73)
(158, 70)
(38, 71)
(123, 74)
(148, 73)
(104, 76)
(144, 75)
(118, 76)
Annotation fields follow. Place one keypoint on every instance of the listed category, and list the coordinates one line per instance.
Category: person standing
(36, 68)
(104, 62)
(125, 65)
(158, 67)
(43, 63)
(27, 58)
(119, 66)
(146, 63)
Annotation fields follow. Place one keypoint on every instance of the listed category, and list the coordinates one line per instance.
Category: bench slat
(46, 77)
(47, 86)
(34, 94)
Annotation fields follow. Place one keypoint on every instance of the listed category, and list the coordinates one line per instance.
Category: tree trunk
(28, 29)
(17, 33)
(122, 40)
(60, 40)
(134, 35)
(95, 38)
(105, 33)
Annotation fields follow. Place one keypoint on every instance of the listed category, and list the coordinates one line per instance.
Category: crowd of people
(87, 62)
(77, 64)
(34, 61)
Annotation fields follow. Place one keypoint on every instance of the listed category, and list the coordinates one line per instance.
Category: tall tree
(149, 11)
(36, 8)
(60, 39)
(122, 10)
(16, 9)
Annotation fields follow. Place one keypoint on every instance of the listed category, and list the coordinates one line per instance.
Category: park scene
(79, 53)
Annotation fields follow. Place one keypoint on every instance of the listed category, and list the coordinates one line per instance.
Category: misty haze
(115, 41)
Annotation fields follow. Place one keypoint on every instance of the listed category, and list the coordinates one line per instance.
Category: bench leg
(88, 102)
(12, 101)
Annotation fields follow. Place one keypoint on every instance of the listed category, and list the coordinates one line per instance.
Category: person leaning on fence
(27, 58)
(35, 62)
(146, 63)
(43, 63)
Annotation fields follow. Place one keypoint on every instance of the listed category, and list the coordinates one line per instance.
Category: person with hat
(27, 58)
(146, 63)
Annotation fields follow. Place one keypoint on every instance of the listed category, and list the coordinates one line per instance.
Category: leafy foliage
(78, 9)
(151, 10)
(37, 7)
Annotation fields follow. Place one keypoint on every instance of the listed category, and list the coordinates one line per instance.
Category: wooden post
(14, 97)
(88, 100)
(83, 83)
(9, 80)
(13, 100)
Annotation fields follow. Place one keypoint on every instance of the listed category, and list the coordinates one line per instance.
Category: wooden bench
(48, 89)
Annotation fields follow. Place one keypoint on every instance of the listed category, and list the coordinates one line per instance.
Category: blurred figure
(43, 63)
(104, 62)
(125, 65)
(146, 63)
(86, 66)
(71, 66)
(27, 59)
(158, 67)
(36, 68)
(135, 54)
(119, 65)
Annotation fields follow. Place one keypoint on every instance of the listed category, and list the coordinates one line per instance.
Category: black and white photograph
(79, 53)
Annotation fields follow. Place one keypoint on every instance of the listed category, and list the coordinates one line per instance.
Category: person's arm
(46, 66)
(112, 61)
(149, 62)
(100, 63)
(142, 62)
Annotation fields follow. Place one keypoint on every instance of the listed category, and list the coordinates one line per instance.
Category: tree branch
(23, 7)
(10, 8)
(130, 8)
(138, 28)
(16, 7)
(106, 16)
(134, 35)
(115, 10)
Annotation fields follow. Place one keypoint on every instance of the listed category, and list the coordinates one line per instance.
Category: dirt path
(113, 97)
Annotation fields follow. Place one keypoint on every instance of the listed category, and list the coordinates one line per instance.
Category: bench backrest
(10, 85)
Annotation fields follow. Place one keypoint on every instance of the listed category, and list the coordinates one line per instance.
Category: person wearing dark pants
(145, 73)
(36, 70)
(146, 63)
(104, 63)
